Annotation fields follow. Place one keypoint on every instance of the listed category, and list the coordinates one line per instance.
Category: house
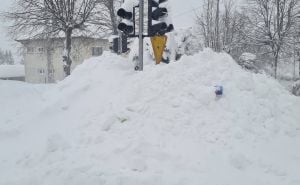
(43, 57)
(12, 72)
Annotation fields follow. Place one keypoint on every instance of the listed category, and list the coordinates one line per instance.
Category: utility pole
(141, 36)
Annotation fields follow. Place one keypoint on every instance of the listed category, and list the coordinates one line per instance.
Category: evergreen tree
(1, 57)
(10, 59)
(6, 57)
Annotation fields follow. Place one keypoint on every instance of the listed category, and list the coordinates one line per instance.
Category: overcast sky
(183, 12)
(5, 42)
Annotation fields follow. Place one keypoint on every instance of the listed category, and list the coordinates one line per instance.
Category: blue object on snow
(219, 90)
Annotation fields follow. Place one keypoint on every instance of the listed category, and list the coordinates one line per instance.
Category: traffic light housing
(116, 44)
(126, 25)
(157, 14)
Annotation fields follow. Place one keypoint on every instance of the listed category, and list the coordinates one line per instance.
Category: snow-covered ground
(107, 124)
(7, 71)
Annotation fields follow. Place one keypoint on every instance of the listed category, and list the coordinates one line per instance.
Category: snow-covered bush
(189, 43)
(296, 88)
(248, 61)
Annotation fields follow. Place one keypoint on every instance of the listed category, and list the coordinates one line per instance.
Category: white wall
(36, 67)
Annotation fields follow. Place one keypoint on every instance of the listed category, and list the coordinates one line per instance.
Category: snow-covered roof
(61, 35)
(24, 40)
(8, 71)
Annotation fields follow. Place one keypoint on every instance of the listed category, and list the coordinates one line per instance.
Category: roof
(9, 71)
(57, 39)
(76, 34)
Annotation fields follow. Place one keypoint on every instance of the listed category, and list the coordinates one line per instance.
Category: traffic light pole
(141, 36)
(149, 17)
(155, 29)
(120, 43)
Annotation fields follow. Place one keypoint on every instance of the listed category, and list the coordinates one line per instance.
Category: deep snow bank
(19, 102)
(107, 124)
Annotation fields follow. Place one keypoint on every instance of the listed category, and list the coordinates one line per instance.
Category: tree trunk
(67, 56)
(50, 67)
(209, 18)
(299, 66)
(294, 67)
(111, 8)
(217, 29)
(275, 65)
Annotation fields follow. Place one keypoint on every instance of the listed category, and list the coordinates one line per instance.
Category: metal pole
(133, 15)
(294, 68)
(149, 17)
(141, 30)
(120, 40)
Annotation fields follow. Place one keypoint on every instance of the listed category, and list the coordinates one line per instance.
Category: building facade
(43, 57)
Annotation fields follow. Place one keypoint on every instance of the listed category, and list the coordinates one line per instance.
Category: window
(41, 50)
(51, 71)
(30, 50)
(41, 71)
(96, 51)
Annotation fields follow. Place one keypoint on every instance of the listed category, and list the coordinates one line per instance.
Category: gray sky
(5, 41)
(183, 12)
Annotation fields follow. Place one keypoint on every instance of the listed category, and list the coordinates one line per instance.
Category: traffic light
(126, 25)
(157, 18)
(116, 44)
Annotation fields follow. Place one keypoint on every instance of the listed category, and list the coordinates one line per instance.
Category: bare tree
(221, 27)
(206, 23)
(296, 41)
(233, 25)
(217, 28)
(106, 18)
(111, 6)
(45, 18)
(272, 22)
(229, 26)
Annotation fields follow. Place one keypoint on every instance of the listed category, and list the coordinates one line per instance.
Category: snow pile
(248, 62)
(296, 88)
(8, 71)
(189, 41)
(107, 124)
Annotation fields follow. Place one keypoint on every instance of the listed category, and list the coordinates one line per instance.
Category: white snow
(107, 124)
(7, 71)
(248, 56)
(128, 4)
(296, 88)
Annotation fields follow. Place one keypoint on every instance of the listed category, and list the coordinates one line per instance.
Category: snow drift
(107, 124)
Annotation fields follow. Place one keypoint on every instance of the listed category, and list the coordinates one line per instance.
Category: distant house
(12, 72)
(43, 57)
